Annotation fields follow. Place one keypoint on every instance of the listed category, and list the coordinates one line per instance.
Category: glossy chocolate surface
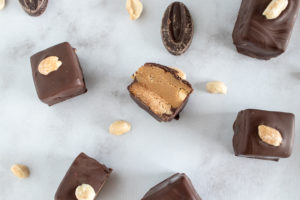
(177, 187)
(60, 85)
(246, 141)
(84, 170)
(256, 36)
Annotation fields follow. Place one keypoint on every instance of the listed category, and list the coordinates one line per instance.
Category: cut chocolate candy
(160, 91)
(57, 74)
(263, 134)
(34, 7)
(177, 187)
(256, 36)
(84, 170)
(177, 28)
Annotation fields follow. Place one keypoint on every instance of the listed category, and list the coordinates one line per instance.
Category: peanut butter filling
(160, 90)
(157, 104)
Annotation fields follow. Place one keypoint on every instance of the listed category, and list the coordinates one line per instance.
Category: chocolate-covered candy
(263, 134)
(57, 74)
(177, 28)
(176, 187)
(34, 7)
(259, 37)
(83, 171)
(160, 91)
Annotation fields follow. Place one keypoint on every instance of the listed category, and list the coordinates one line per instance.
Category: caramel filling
(159, 90)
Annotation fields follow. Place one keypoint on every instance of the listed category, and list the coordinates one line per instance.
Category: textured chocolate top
(84, 170)
(177, 187)
(259, 37)
(62, 84)
(246, 141)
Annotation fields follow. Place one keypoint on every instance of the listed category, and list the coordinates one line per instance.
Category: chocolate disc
(177, 28)
(34, 7)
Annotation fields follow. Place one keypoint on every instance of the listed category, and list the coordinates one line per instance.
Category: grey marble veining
(110, 48)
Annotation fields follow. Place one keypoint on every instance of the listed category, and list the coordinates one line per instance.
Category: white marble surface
(111, 48)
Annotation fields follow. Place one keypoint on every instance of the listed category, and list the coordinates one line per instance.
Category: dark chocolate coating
(256, 36)
(60, 85)
(177, 187)
(84, 170)
(164, 118)
(34, 7)
(246, 141)
(177, 28)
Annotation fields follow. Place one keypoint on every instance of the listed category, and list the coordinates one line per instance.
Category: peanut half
(134, 8)
(269, 135)
(85, 192)
(2, 4)
(275, 8)
(49, 64)
(20, 171)
(216, 87)
(119, 127)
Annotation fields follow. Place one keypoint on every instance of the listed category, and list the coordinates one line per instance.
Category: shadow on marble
(212, 123)
(223, 38)
(24, 50)
(117, 183)
(91, 78)
(200, 86)
(296, 75)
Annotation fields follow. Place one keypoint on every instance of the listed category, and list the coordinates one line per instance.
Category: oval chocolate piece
(177, 28)
(34, 7)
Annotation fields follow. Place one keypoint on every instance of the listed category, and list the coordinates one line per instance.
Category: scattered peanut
(119, 127)
(134, 8)
(2, 4)
(49, 64)
(20, 171)
(216, 87)
(269, 135)
(275, 8)
(85, 192)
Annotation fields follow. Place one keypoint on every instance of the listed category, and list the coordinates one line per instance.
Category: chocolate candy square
(84, 170)
(257, 36)
(57, 74)
(263, 134)
(161, 91)
(177, 187)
